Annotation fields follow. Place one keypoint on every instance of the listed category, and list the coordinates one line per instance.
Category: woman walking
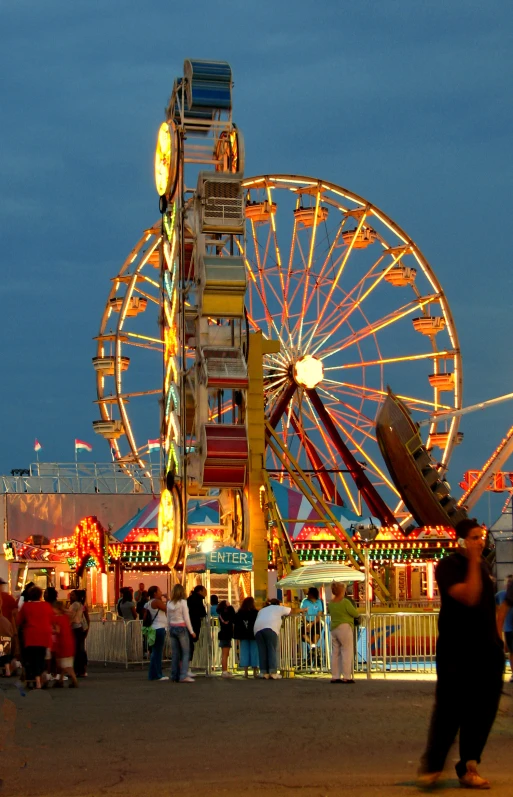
(179, 629)
(243, 631)
(79, 617)
(156, 609)
(343, 614)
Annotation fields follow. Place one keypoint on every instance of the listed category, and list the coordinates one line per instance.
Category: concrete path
(121, 735)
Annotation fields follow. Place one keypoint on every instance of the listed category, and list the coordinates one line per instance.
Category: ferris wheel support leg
(372, 498)
(257, 542)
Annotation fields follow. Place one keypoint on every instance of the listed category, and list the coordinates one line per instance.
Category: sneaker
(227, 675)
(188, 680)
(426, 780)
(472, 779)
(164, 678)
(65, 678)
(190, 674)
(276, 676)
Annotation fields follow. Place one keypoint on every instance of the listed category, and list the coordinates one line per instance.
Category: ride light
(308, 372)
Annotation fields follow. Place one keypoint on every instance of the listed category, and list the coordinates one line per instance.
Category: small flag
(37, 445)
(153, 445)
(80, 445)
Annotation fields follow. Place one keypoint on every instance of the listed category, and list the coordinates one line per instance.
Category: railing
(82, 477)
(397, 642)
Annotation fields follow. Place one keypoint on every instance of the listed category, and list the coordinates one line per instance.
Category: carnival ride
(343, 300)
(284, 305)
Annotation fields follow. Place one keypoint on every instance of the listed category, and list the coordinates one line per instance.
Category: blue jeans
(155, 671)
(179, 652)
(248, 653)
(267, 641)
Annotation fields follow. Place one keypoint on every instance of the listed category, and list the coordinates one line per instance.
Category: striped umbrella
(318, 574)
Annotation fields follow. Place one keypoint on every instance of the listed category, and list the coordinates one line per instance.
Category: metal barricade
(395, 642)
(400, 642)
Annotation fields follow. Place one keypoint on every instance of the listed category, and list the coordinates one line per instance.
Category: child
(226, 616)
(64, 647)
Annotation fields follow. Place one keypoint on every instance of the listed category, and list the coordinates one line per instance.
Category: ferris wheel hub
(308, 372)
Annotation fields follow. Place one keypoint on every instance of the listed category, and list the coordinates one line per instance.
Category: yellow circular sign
(167, 526)
(166, 159)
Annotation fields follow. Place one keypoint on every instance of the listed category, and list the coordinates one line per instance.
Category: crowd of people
(47, 640)
(256, 631)
(42, 639)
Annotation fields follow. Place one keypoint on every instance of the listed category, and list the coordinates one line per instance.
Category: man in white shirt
(267, 634)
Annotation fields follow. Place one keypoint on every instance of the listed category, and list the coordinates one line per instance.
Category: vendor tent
(200, 513)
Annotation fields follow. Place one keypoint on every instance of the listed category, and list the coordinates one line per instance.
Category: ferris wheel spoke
(147, 295)
(259, 272)
(353, 416)
(289, 273)
(269, 318)
(386, 321)
(355, 424)
(144, 277)
(374, 467)
(324, 321)
(346, 257)
(359, 301)
(334, 456)
(138, 393)
(388, 360)
(132, 343)
(309, 262)
(375, 394)
(285, 309)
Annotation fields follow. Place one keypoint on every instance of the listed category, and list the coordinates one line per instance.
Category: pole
(208, 668)
(367, 614)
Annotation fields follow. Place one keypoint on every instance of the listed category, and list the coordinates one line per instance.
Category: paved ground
(120, 735)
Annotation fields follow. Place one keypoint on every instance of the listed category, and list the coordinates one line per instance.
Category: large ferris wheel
(347, 294)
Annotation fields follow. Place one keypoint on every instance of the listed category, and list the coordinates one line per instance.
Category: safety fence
(397, 642)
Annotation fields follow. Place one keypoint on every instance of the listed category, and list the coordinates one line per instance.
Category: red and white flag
(37, 445)
(81, 445)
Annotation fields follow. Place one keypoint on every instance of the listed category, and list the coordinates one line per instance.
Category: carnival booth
(236, 568)
(225, 561)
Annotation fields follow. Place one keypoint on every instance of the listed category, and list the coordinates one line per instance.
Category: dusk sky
(406, 103)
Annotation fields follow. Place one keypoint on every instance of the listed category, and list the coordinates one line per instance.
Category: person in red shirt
(8, 603)
(64, 647)
(9, 609)
(35, 619)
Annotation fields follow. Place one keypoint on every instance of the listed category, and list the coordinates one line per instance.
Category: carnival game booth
(235, 567)
(405, 562)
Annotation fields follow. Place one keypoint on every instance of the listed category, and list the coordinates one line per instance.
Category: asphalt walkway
(118, 735)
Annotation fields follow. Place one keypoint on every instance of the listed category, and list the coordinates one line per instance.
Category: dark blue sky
(408, 104)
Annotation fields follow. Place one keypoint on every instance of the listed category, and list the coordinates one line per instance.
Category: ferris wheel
(355, 307)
